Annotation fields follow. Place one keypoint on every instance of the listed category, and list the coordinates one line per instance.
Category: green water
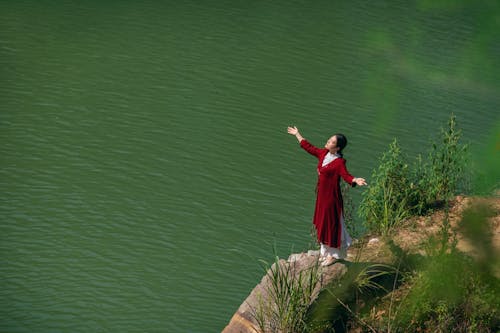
(145, 166)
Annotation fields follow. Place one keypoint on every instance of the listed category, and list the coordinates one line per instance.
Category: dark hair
(341, 142)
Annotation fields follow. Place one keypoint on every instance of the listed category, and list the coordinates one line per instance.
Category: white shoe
(328, 261)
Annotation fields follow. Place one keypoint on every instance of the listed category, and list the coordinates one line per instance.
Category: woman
(328, 214)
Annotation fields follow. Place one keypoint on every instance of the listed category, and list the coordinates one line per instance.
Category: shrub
(385, 202)
(448, 162)
(398, 191)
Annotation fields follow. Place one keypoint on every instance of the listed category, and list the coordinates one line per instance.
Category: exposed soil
(417, 230)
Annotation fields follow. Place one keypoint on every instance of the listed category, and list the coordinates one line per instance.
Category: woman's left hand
(360, 181)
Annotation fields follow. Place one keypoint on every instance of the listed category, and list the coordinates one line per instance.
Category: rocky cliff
(371, 250)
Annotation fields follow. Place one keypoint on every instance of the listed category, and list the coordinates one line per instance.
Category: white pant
(341, 252)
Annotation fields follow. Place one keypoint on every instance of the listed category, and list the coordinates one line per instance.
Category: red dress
(329, 204)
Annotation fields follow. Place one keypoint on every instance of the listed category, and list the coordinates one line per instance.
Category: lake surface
(145, 167)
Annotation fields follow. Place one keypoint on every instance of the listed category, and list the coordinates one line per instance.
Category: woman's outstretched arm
(349, 178)
(303, 142)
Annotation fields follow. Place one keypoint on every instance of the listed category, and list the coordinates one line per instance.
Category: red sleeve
(310, 148)
(345, 174)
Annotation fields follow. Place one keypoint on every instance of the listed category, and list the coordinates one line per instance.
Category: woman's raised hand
(292, 130)
(295, 131)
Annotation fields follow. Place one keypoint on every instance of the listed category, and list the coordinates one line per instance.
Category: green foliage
(480, 234)
(446, 163)
(454, 292)
(447, 290)
(384, 204)
(398, 191)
